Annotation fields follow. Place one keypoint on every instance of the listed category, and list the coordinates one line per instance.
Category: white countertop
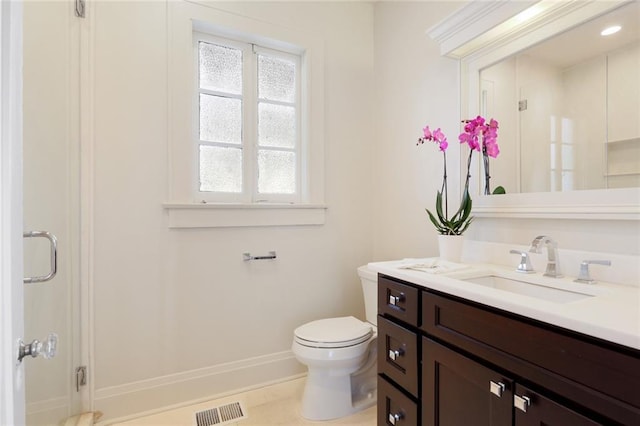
(610, 312)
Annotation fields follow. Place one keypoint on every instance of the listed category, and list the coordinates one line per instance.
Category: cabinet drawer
(601, 377)
(398, 354)
(398, 300)
(394, 407)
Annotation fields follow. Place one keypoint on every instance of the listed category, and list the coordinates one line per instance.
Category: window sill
(220, 215)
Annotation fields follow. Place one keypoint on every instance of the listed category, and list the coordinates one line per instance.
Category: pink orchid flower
(439, 137)
(492, 149)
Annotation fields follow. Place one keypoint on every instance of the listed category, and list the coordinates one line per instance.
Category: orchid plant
(480, 136)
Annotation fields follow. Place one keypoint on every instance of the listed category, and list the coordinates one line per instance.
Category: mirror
(569, 109)
(482, 34)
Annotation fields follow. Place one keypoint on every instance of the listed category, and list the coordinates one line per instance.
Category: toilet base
(330, 397)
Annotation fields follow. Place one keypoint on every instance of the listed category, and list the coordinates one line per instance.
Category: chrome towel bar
(270, 256)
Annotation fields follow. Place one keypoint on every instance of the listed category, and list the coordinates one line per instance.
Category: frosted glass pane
(220, 68)
(276, 79)
(276, 172)
(220, 119)
(276, 125)
(220, 169)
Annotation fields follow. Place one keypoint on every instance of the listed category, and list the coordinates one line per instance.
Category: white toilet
(340, 354)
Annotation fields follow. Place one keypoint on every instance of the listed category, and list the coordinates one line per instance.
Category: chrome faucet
(553, 261)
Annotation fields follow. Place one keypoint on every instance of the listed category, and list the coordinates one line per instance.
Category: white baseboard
(47, 412)
(194, 386)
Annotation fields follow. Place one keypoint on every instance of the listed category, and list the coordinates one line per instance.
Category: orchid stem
(444, 187)
(466, 183)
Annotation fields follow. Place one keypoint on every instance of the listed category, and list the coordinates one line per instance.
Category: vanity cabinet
(458, 362)
(470, 393)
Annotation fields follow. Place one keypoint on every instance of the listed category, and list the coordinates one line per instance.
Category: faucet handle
(584, 276)
(525, 262)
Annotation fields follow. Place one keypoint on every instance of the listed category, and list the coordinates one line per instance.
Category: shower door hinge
(81, 377)
(80, 6)
(522, 105)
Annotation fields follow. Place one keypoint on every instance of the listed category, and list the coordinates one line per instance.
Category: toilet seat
(333, 333)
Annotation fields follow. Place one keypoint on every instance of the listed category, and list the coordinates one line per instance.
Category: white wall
(584, 111)
(414, 87)
(499, 81)
(623, 131)
(177, 314)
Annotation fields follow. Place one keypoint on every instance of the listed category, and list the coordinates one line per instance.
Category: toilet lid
(333, 332)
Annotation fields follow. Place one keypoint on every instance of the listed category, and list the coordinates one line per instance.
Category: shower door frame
(12, 395)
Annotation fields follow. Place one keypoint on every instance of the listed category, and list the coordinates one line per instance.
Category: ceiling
(584, 41)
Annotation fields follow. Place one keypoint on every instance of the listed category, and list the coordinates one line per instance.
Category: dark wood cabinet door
(459, 391)
(541, 411)
(394, 407)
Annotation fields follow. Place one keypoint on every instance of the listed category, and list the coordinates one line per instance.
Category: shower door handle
(54, 256)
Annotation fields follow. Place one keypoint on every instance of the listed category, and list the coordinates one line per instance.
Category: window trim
(220, 215)
(184, 19)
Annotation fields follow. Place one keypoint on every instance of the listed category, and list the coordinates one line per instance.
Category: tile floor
(277, 404)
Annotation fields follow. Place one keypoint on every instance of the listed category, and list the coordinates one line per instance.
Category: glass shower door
(50, 164)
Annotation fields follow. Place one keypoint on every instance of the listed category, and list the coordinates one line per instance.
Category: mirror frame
(492, 33)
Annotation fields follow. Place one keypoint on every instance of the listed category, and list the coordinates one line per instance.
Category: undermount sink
(530, 289)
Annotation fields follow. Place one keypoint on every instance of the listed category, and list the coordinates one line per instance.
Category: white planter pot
(451, 247)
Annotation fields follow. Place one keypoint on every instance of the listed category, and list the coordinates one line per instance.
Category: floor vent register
(220, 415)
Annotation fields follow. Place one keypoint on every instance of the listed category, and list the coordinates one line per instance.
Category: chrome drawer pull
(394, 418)
(521, 402)
(395, 354)
(496, 388)
(394, 300)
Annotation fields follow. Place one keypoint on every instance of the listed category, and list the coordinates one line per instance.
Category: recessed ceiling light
(611, 30)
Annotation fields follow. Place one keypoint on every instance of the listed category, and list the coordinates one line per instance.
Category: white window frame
(184, 208)
(249, 144)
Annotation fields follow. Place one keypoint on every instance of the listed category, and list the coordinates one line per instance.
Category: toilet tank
(369, 280)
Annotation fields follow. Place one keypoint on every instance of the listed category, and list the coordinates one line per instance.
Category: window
(258, 193)
(248, 130)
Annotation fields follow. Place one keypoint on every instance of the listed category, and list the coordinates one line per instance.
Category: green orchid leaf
(464, 228)
(439, 207)
(435, 221)
(467, 204)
